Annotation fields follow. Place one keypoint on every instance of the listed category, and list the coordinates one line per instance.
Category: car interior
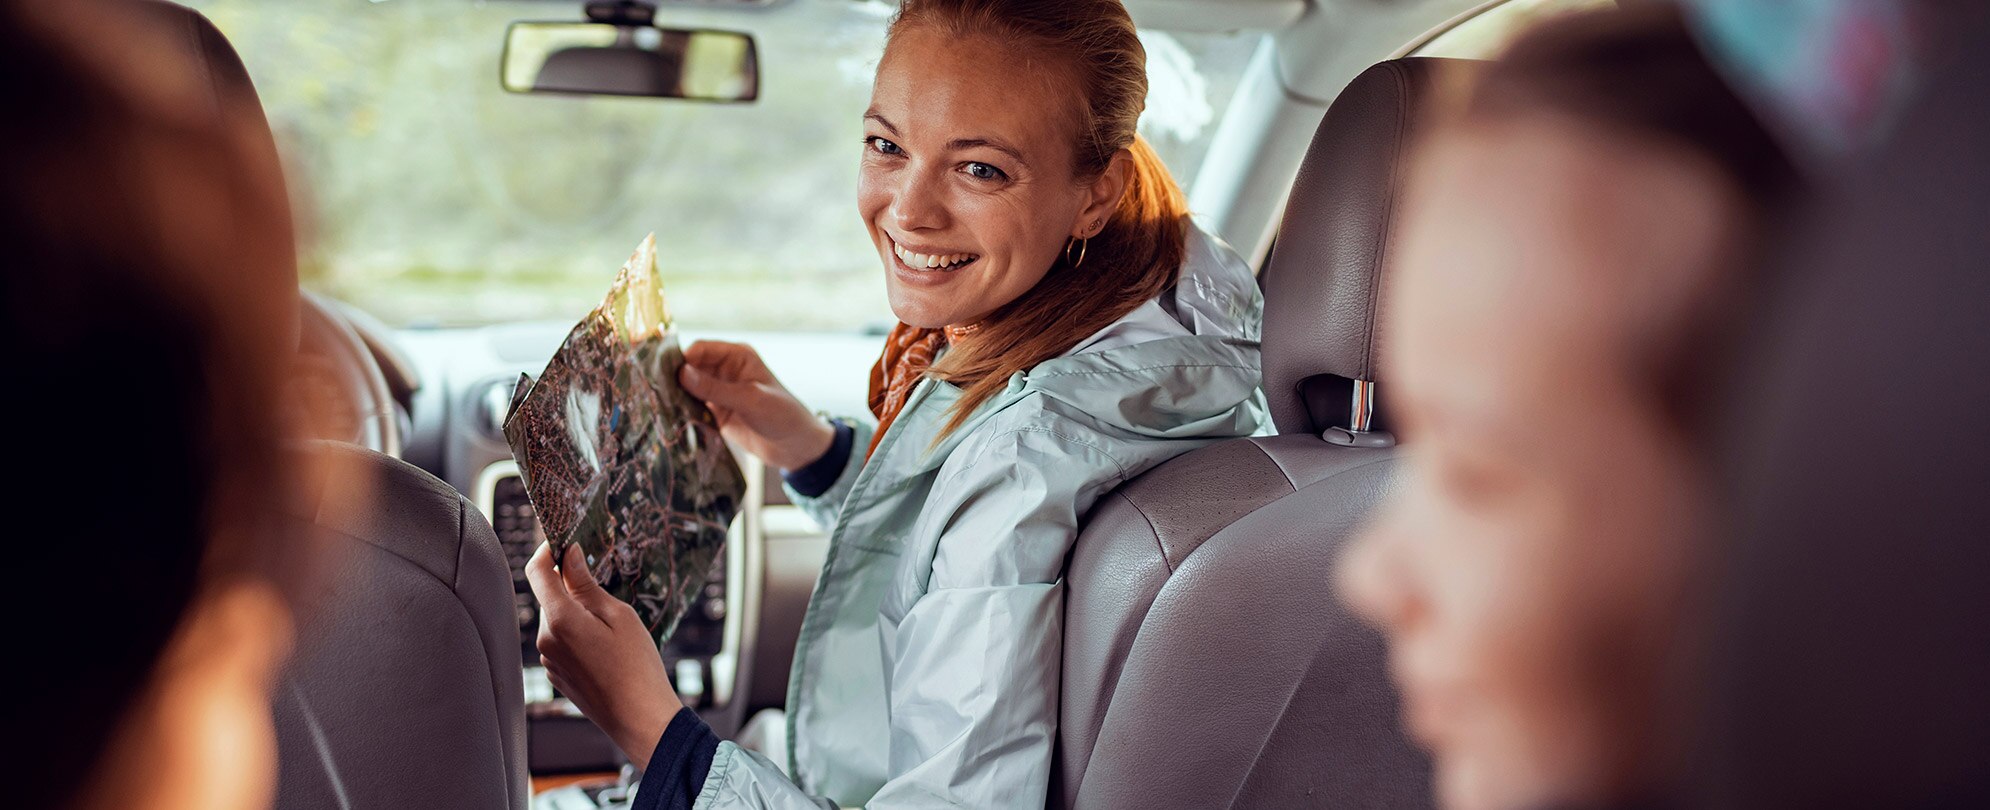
(1203, 586)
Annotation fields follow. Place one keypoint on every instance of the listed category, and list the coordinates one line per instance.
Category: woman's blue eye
(882, 146)
(983, 171)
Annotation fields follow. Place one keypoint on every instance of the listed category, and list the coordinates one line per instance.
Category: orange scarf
(908, 353)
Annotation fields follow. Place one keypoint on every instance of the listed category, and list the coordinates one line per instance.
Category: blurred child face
(202, 737)
(1527, 574)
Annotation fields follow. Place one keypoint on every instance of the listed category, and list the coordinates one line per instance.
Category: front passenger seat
(406, 689)
(1207, 660)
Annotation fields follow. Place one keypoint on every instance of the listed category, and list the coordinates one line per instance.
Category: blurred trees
(429, 195)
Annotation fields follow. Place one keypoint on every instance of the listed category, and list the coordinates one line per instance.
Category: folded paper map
(621, 461)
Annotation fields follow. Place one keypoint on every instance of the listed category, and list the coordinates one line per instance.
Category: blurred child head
(1569, 242)
(147, 307)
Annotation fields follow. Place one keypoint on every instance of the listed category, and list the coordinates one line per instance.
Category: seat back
(405, 689)
(1207, 661)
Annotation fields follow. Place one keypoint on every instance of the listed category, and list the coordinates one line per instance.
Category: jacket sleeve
(825, 508)
(743, 779)
(977, 650)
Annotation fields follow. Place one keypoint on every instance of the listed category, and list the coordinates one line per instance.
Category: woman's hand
(598, 653)
(754, 410)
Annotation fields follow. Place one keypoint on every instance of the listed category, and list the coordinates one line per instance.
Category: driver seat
(1207, 660)
(406, 688)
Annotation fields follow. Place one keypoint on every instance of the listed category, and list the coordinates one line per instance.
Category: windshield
(429, 196)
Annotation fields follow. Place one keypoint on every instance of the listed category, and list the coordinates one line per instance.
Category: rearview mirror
(631, 60)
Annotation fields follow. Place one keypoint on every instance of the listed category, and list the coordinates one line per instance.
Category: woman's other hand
(599, 655)
(754, 410)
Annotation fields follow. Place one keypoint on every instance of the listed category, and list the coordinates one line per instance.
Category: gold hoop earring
(1080, 244)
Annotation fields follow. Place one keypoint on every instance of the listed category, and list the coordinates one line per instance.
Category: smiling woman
(435, 197)
(1063, 328)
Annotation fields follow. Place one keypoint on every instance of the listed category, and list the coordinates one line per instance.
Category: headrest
(218, 69)
(1325, 278)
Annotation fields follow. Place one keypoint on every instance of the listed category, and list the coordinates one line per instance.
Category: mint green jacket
(926, 674)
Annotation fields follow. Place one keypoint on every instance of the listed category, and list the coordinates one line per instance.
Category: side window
(1485, 33)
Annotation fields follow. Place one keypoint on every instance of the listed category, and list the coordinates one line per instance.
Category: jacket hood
(1181, 365)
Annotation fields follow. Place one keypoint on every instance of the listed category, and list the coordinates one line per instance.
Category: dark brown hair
(144, 306)
(1637, 72)
(1141, 250)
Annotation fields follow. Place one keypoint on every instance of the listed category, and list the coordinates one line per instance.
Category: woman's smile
(926, 266)
(929, 258)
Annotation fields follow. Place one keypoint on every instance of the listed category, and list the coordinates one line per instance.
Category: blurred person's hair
(1637, 73)
(147, 307)
(1141, 249)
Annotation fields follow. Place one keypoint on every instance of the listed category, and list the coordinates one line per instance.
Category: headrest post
(1361, 415)
(1360, 431)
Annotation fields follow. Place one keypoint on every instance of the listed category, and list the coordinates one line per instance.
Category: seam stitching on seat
(1337, 474)
(497, 702)
(1160, 546)
(1119, 671)
(1295, 490)
(1290, 481)
(1387, 220)
(1284, 708)
(320, 744)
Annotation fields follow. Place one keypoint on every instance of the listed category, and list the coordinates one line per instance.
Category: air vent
(496, 402)
(519, 535)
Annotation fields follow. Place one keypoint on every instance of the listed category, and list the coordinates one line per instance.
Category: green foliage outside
(429, 195)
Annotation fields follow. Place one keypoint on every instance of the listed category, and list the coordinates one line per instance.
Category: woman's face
(1527, 574)
(968, 182)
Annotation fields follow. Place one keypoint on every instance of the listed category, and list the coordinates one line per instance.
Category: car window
(1484, 35)
(430, 196)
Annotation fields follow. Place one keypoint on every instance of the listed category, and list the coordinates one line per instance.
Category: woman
(148, 266)
(1572, 239)
(1064, 329)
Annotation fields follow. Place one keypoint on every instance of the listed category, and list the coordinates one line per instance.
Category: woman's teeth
(921, 260)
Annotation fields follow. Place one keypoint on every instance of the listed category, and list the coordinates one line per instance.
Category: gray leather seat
(405, 688)
(1207, 661)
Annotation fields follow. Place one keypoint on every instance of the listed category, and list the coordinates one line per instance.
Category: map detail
(620, 460)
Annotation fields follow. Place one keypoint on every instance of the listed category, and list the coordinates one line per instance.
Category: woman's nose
(917, 204)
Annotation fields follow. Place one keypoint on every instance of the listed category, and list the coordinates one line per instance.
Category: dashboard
(729, 655)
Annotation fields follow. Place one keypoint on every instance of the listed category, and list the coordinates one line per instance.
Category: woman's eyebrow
(874, 115)
(971, 143)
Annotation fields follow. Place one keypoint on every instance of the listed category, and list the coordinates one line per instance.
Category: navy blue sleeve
(821, 474)
(678, 767)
